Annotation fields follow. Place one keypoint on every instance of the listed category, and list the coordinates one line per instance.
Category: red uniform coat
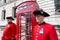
(44, 31)
(9, 31)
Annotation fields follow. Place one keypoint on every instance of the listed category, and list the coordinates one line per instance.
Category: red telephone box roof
(25, 2)
(26, 6)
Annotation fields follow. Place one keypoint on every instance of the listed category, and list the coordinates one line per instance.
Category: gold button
(36, 36)
(36, 33)
(37, 30)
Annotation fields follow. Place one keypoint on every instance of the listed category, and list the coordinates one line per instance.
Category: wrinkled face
(39, 18)
(9, 20)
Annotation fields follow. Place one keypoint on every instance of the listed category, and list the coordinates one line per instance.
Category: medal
(41, 31)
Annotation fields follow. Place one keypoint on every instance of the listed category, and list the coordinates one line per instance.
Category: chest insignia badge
(41, 30)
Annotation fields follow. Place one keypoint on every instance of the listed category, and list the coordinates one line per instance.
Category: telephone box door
(25, 26)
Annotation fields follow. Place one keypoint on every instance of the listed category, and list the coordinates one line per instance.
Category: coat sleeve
(4, 33)
(53, 34)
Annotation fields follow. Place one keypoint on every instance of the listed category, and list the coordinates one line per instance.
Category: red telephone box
(25, 20)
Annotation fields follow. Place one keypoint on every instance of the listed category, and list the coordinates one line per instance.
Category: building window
(14, 12)
(0, 2)
(58, 30)
(57, 6)
(3, 14)
(4, 1)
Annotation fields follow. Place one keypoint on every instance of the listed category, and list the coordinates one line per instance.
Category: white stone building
(7, 8)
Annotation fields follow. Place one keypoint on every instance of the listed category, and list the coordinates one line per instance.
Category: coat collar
(42, 23)
(9, 22)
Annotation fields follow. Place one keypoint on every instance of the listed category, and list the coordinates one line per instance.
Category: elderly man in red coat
(10, 30)
(43, 30)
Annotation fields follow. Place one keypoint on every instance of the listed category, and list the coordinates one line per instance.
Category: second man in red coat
(9, 30)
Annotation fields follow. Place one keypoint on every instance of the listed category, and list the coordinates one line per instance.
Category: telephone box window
(25, 26)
